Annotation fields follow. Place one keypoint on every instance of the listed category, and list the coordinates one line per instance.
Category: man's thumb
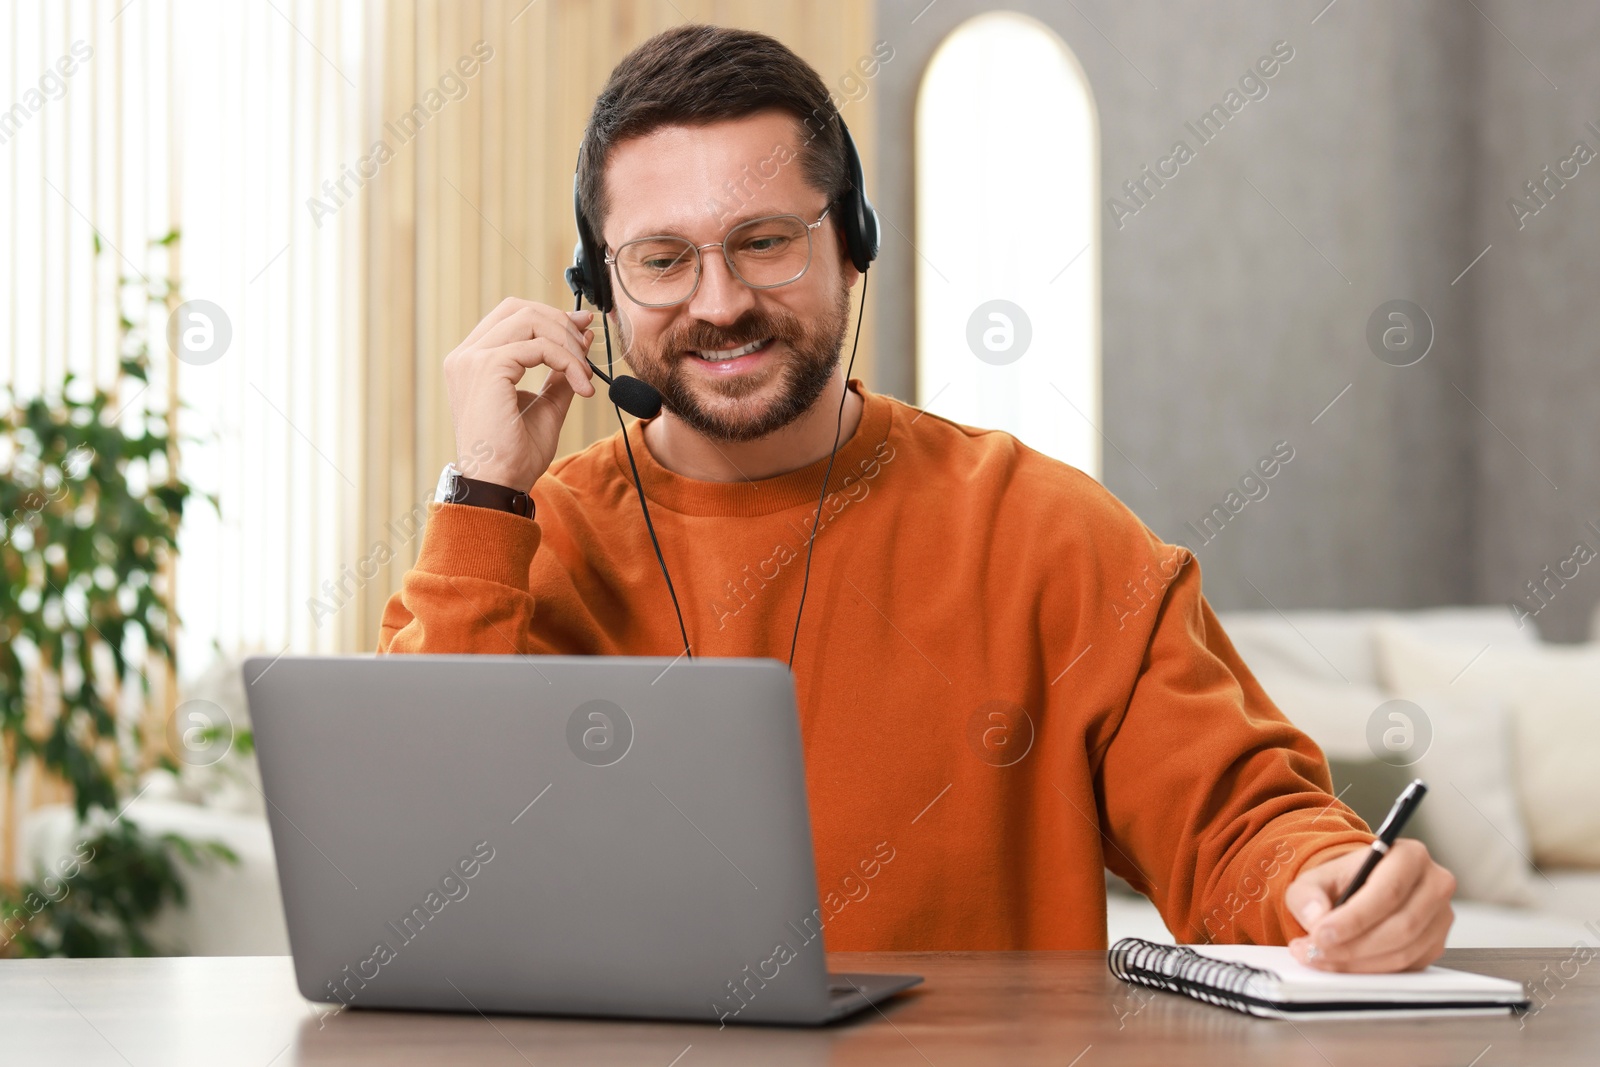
(1308, 901)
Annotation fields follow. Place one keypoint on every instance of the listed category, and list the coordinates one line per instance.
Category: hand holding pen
(1403, 927)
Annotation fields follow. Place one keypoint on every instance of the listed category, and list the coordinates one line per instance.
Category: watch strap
(481, 494)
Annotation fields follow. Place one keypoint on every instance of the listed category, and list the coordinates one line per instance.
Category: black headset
(589, 280)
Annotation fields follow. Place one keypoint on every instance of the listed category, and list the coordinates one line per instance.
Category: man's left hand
(1397, 921)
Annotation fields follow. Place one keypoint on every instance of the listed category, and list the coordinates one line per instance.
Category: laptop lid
(545, 834)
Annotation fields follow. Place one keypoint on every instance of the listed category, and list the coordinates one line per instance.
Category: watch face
(445, 491)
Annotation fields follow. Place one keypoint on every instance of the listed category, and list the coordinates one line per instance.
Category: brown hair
(695, 74)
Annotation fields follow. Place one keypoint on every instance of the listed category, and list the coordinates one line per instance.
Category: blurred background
(1178, 245)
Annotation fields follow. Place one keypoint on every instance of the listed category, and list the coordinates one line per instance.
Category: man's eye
(662, 264)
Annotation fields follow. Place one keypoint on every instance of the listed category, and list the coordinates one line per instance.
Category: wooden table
(1059, 1008)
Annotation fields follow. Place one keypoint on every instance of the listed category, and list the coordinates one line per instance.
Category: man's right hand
(507, 435)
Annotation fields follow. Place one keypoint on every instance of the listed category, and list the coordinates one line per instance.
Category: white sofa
(1323, 669)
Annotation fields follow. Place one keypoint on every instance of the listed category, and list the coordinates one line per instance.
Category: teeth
(718, 357)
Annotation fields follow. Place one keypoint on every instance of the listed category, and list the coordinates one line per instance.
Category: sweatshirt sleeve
(1212, 801)
(468, 591)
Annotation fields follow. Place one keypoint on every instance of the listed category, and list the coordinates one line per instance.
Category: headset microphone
(633, 396)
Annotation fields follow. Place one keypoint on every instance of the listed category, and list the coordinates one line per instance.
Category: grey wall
(1537, 302)
(1236, 300)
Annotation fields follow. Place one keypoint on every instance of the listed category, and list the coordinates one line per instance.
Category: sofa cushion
(1471, 821)
(1329, 646)
(1368, 787)
(1333, 713)
(1338, 646)
(1553, 692)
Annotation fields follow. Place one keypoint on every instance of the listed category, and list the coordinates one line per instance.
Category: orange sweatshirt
(1006, 682)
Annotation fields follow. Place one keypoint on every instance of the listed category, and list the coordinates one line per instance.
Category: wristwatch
(456, 488)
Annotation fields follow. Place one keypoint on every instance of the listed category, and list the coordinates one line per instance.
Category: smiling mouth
(723, 355)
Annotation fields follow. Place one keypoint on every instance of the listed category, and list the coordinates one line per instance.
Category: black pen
(1410, 797)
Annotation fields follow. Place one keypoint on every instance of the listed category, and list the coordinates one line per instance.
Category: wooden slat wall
(478, 206)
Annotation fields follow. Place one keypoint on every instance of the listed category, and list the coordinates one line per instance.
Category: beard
(733, 410)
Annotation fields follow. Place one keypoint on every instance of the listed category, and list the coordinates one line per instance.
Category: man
(1006, 681)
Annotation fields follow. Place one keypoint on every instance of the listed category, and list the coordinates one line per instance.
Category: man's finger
(1410, 954)
(501, 311)
(531, 326)
(1433, 942)
(548, 352)
(1406, 926)
(1310, 896)
(1389, 886)
(564, 320)
(535, 320)
(529, 320)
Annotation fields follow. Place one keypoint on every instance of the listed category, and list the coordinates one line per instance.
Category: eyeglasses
(762, 253)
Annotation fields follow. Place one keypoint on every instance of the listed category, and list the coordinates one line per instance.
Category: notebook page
(1297, 983)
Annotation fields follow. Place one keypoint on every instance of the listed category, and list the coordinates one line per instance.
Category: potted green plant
(91, 499)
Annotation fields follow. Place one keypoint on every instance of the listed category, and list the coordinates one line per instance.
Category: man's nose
(721, 297)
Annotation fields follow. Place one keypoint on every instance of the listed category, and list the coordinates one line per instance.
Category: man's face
(697, 182)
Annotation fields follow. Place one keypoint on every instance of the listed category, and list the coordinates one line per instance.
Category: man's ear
(850, 273)
(847, 266)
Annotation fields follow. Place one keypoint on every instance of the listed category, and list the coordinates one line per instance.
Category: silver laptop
(570, 835)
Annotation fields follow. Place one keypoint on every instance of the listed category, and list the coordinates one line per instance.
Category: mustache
(702, 335)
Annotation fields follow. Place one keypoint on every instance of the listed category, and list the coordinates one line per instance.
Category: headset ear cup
(591, 275)
(861, 218)
(585, 283)
(854, 235)
(869, 230)
(577, 275)
(588, 271)
(598, 277)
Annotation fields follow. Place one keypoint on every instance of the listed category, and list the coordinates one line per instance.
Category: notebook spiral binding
(1179, 969)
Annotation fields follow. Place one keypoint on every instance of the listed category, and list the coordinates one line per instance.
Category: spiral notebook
(1266, 980)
